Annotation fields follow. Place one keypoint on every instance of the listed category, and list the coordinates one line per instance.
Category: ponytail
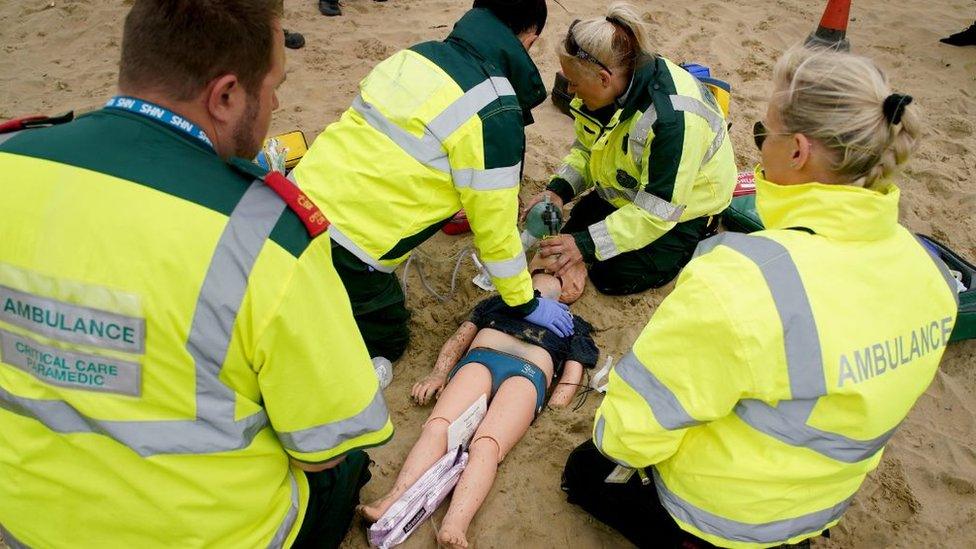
(844, 102)
(616, 40)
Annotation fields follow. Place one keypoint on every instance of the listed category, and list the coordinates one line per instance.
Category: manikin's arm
(567, 385)
(452, 351)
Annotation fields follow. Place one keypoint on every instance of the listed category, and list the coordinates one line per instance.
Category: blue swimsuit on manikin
(503, 366)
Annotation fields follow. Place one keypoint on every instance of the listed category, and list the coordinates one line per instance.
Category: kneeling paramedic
(436, 128)
(652, 145)
(180, 366)
(766, 385)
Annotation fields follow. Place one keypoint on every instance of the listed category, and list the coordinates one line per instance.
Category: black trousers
(632, 509)
(333, 496)
(378, 305)
(632, 272)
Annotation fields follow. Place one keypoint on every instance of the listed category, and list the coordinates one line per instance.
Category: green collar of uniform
(484, 34)
(841, 212)
(637, 96)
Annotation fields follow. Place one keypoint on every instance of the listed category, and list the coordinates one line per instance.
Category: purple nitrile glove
(552, 315)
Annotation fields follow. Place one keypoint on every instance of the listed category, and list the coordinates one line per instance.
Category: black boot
(329, 8)
(962, 38)
(294, 40)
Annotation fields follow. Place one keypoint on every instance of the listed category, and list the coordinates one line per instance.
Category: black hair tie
(894, 107)
(615, 21)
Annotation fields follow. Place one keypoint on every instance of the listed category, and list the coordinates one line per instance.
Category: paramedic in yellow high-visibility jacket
(652, 148)
(765, 387)
(179, 365)
(436, 128)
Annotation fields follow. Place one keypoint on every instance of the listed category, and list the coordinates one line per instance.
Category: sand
(61, 54)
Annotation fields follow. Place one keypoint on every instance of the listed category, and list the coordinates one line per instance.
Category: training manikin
(513, 363)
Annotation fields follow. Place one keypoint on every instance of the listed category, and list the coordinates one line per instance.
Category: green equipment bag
(741, 216)
(965, 272)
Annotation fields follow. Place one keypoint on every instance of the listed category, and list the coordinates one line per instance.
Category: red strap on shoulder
(18, 124)
(313, 218)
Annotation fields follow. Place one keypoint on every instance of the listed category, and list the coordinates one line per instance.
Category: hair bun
(894, 107)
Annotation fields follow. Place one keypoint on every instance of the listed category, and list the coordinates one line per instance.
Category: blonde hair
(616, 44)
(837, 98)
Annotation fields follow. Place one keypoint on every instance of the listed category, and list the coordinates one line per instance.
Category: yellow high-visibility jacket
(170, 336)
(660, 154)
(765, 387)
(436, 128)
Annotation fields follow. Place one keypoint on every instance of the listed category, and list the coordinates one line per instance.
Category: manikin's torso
(500, 341)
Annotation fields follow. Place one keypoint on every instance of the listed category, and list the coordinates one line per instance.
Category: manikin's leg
(509, 416)
(471, 381)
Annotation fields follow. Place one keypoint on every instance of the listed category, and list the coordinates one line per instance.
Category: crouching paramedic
(765, 387)
(436, 128)
(652, 145)
(179, 365)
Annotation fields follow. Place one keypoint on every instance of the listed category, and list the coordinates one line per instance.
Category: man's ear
(605, 78)
(528, 38)
(226, 98)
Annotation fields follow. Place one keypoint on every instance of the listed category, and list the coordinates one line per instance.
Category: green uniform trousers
(378, 304)
(652, 266)
(333, 496)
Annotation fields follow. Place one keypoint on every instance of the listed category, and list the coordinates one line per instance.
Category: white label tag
(463, 428)
(70, 369)
(620, 475)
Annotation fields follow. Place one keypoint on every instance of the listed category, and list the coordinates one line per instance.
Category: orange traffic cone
(832, 31)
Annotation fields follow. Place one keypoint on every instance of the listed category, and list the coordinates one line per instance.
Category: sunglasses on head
(573, 48)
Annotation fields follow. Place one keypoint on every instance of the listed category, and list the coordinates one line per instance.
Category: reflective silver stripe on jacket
(6, 136)
(341, 239)
(658, 207)
(506, 268)
(10, 540)
(663, 403)
(468, 105)
(573, 177)
(214, 429)
(639, 134)
(288, 523)
(714, 119)
(787, 421)
(428, 150)
(371, 419)
(768, 532)
(646, 201)
(605, 246)
(492, 179)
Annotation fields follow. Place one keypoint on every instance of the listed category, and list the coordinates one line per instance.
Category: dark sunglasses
(573, 48)
(760, 132)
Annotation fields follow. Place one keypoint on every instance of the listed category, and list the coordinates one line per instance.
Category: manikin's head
(217, 62)
(566, 289)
